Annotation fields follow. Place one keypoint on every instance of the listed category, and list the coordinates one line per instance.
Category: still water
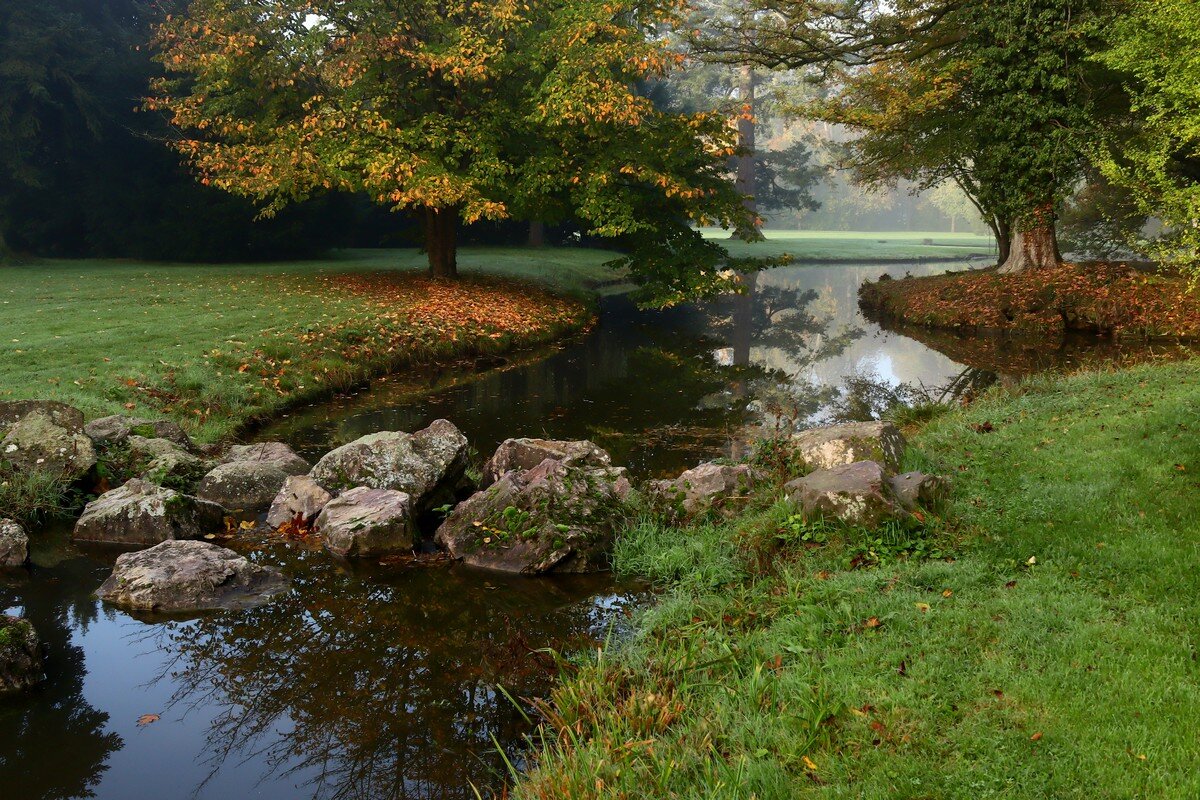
(384, 681)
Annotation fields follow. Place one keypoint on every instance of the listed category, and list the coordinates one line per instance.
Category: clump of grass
(31, 496)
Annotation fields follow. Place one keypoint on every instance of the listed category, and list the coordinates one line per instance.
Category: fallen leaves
(147, 719)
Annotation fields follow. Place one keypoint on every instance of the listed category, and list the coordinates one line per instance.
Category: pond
(402, 681)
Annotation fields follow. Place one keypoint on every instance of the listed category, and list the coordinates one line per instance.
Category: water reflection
(58, 745)
(378, 683)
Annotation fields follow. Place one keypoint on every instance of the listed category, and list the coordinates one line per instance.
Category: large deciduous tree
(458, 111)
(1000, 97)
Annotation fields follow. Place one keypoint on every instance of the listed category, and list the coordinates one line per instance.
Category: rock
(188, 576)
(247, 486)
(300, 498)
(163, 462)
(525, 454)
(20, 655)
(707, 486)
(858, 494)
(917, 490)
(839, 445)
(14, 544)
(368, 522)
(428, 465)
(61, 414)
(37, 442)
(553, 517)
(140, 513)
(114, 430)
(276, 453)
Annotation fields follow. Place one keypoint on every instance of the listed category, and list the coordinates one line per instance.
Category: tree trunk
(441, 241)
(537, 234)
(1003, 240)
(746, 139)
(1033, 247)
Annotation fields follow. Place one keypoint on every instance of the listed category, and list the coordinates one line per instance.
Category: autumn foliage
(1111, 299)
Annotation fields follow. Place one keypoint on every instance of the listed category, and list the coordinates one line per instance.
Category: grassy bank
(1096, 298)
(858, 246)
(1041, 643)
(215, 347)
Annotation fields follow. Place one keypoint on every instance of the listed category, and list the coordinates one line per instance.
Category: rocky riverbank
(535, 506)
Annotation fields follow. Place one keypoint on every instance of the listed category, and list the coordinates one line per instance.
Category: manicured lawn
(1040, 644)
(859, 246)
(215, 346)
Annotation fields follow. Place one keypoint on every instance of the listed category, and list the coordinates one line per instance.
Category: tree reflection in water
(56, 710)
(378, 683)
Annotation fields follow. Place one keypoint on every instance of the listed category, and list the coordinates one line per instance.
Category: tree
(999, 97)
(459, 111)
(1157, 156)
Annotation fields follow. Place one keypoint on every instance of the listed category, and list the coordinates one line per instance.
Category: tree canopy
(464, 110)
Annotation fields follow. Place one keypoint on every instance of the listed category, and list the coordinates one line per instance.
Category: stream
(397, 681)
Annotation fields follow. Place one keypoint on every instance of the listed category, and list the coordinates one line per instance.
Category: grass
(858, 246)
(1040, 644)
(216, 347)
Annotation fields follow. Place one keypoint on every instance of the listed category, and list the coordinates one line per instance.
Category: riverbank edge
(35, 498)
(1110, 299)
(769, 668)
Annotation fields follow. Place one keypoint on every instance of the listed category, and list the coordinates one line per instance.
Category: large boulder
(553, 517)
(368, 522)
(37, 442)
(916, 490)
(164, 462)
(245, 486)
(61, 414)
(428, 465)
(114, 430)
(710, 486)
(857, 494)
(186, 577)
(839, 445)
(301, 499)
(276, 453)
(14, 544)
(525, 454)
(20, 655)
(140, 513)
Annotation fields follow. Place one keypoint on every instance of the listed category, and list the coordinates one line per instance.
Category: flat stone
(368, 522)
(114, 430)
(301, 498)
(428, 465)
(839, 445)
(917, 490)
(142, 514)
(525, 454)
(552, 518)
(276, 453)
(186, 577)
(14, 544)
(247, 486)
(37, 443)
(857, 494)
(709, 486)
(20, 655)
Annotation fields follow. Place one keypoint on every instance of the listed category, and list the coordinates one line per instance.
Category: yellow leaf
(923, 607)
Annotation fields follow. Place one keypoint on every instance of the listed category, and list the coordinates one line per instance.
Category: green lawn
(1042, 644)
(217, 345)
(859, 246)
